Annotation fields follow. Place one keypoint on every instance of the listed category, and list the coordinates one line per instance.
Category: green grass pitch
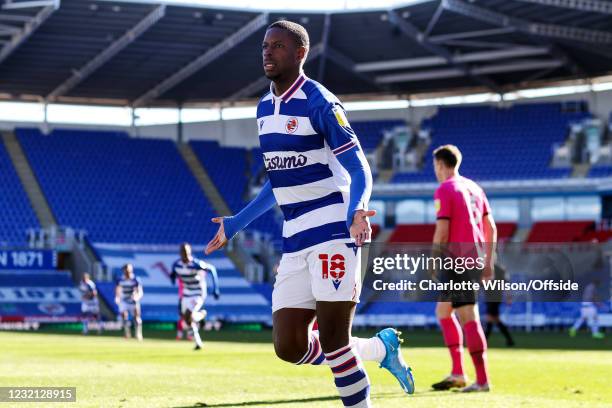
(238, 369)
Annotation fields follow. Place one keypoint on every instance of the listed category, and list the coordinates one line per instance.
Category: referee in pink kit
(463, 220)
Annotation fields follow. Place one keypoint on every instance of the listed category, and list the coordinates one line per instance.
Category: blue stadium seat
(117, 188)
(522, 137)
(17, 213)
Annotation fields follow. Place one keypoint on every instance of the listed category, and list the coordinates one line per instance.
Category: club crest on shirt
(291, 125)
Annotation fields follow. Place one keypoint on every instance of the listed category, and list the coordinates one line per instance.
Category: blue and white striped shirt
(128, 288)
(301, 133)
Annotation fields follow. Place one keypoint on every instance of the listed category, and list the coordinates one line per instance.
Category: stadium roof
(145, 53)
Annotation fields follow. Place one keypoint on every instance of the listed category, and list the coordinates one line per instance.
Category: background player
(90, 306)
(463, 218)
(128, 293)
(588, 312)
(493, 303)
(319, 176)
(191, 271)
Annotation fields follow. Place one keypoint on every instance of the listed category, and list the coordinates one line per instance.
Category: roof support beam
(412, 31)
(29, 28)
(14, 5)
(526, 65)
(529, 27)
(349, 65)
(15, 18)
(109, 52)
(324, 42)
(471, 34)
(9, 29)
(434, 20)
(464, 58)
(203, 60)
(595, 6)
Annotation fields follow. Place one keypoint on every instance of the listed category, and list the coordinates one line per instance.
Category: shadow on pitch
(269, 402)
(264, 403)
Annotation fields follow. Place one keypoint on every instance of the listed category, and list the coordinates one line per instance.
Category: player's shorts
(493, 308)
(129, 307)
(91, 306)
(460, 298)
(328, 273)
(191, 303)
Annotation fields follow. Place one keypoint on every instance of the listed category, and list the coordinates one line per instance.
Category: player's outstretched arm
(229, 226)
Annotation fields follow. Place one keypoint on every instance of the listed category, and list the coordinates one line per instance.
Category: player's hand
(361, 230)
(219, 240)
(117, 300)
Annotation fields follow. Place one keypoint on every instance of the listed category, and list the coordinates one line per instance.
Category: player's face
(185, 253)
(281, 55)
(128, 271)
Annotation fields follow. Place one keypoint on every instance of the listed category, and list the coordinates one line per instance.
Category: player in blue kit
(320, 178)
(90, 306)
(191, 272)
(128, 293)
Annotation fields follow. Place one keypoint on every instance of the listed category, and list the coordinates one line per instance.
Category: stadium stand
(412, 233)
(423, 233)
(118, 189)
(371, 133)
(41, 295)
(559, 231)
(505, 231)
(239, 301)
(17, 213)
(600, 171)
(487, 134)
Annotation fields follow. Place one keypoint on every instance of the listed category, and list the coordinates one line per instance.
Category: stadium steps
(580, 170)
(214, 197)
(28, 180)
(383, 236)
(521, 235)
(204, 180)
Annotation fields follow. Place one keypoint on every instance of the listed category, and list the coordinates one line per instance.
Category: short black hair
(298, 32)
(449, 154)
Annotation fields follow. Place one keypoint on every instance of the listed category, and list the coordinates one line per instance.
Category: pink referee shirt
(464, 204)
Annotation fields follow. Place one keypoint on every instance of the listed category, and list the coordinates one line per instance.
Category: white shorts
(91, 306)
(192, 303)
(128, 307)
(328, 273)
